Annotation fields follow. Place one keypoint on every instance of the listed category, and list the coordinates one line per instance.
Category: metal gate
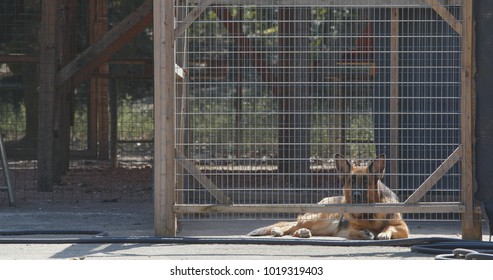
(254, 98)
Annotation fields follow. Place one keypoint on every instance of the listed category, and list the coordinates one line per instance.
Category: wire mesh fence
(276, 88)
(272, 90)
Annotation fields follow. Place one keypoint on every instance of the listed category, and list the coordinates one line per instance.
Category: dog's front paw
(384, 236)
(303, 233)
(276, 232)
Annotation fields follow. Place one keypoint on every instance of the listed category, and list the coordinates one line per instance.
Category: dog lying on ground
(362, 185)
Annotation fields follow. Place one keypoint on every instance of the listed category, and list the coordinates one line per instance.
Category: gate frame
(166, 157)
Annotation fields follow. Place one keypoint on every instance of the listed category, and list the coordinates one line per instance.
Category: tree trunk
(293, 91)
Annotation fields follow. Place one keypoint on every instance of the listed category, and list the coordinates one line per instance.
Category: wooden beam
(192, 16)
(181, 62)
(435, 5)
(203, 180)
(46, 173)
(435, 176)
(97, 54)
(164, 119)
(394, 96)
(19, 58)
(66, 38)
(323, 208)
(293, 108)
(471, 223)
(113, 118)
(446, 15)
(99, 84)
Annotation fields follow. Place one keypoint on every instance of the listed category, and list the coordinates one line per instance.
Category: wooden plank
(181, 62)
(435, 176)
(394, 96)
(113, 109)
(293, 108)
(203, 180)
(164, 119)
(340, 139)
(192, 16)
(20, 58)
(92, 124)
(66, 38)
(471, 223)
(323, 208)
(97, 54)
(46, 173)
(446, 15)
(98, 21)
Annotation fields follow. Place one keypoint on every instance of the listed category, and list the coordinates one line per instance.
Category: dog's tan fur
(361, 183)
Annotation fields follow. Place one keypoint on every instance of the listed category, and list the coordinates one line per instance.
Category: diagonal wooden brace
(192, 16)
(97, 54)
(203, 180)
(446, 15)
(435, 176)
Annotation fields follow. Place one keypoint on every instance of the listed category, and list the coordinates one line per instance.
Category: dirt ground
(91, 183)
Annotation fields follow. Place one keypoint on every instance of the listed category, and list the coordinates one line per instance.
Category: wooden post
(471, 222)
(394, 96)
(340, 120)
(181, 93)
(98, 110)
(293, 100)
(164, 114)
(66, 52)
(113, 105)
(47, 97)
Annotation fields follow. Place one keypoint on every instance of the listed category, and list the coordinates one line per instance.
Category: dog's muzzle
(357, 197)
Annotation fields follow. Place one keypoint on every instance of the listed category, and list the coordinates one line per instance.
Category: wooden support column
(182, 120)
(293, 100)
(113, 105)
(394, 96)
(164, 122)
(66, 46)
(47, 132)
(57, 42)
(471, 222)
(235, 29)
(98, 114)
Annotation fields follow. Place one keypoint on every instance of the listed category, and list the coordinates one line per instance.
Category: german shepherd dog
(362, 185)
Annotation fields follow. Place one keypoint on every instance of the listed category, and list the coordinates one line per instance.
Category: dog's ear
(342, 164)
(377, 166)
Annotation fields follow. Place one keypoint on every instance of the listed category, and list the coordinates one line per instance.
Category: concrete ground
(125, 219)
